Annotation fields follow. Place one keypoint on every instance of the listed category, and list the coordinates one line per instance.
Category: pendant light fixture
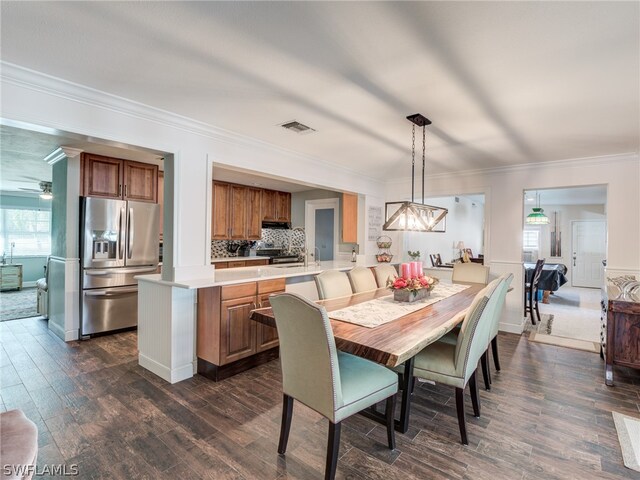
(537, 216)
(412, 216)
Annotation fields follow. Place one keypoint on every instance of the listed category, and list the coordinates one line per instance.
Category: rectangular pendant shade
(414, 217)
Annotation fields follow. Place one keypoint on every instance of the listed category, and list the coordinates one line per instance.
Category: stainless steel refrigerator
(118, 240)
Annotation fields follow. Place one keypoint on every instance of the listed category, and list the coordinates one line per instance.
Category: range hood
(277, 225)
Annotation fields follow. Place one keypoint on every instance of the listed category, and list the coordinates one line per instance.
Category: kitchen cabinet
(241, 263)
(254, 211)
(11, 277)
(228, 341)
(238, 212)
(220, 220)
(276, 206)
(120, 179)
(349, 218)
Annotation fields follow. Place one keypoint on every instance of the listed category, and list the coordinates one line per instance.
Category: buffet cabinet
(228, 341)
(623, 336)
(11, 277)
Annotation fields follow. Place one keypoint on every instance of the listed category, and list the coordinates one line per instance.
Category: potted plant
(411, 289)
(414, 255)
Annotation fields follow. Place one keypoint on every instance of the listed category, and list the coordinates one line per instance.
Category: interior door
(589, 249)
(142, 233)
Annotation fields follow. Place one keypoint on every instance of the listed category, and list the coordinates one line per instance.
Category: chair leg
(475, 397)
(333, 447)
(389, 412)
(285, 425)
(494, 348)
(485, 371)
(536, 307)
(461, 420)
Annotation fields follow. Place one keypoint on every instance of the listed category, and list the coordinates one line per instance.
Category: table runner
(383, 310)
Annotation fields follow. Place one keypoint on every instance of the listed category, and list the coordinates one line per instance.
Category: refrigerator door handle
(120, 239)
(130, 229)
(119, 271)
(106, 293)
(97, 273)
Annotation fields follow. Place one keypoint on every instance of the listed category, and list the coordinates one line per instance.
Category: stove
(277, 256)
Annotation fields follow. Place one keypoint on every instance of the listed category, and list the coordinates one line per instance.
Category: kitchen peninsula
(224, 341)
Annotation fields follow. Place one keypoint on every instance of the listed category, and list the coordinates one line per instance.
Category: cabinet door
(140, 182)
(237, 330)
(103, 176)
(349, 218)
(161, 200)
(237, 264)
(269, 205)
(283, 206)
(238, 212)
(220, 212)
(254, 209)
(266, 336)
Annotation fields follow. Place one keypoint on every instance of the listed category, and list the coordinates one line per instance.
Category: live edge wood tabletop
(395, 342)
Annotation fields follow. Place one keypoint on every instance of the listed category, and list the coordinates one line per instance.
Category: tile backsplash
(273, 238)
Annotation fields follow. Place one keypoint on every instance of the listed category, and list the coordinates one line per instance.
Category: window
(28, 229)
(530, 239)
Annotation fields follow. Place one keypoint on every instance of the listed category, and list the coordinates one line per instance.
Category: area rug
(543, 331)
(18, 304)
(628, 429)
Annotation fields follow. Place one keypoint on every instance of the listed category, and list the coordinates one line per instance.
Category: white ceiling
(503, 82)
(592, 195)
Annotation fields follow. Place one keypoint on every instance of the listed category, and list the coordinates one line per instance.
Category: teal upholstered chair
(456, 364)
(383, 272)
(362, 279)
(333, 383)
(332, 284)
(495, 327)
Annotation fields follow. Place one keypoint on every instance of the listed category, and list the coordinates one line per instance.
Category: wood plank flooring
(546, 417)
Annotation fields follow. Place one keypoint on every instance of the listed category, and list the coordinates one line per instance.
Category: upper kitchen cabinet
(276, 206)
(120, 179)
(238, 207)
(220, 219)
(349, 218)
(254, 214)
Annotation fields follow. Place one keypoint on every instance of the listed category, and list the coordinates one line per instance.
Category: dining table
(393, 343)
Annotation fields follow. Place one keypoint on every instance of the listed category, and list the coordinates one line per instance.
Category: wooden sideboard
(11, 277)
(623, 336)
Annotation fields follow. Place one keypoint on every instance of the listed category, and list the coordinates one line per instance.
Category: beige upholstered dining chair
(495, 326)
(470, 272)
(456, 364)
(332, 284)
(362, 279)
(383, 273)
(333, 383)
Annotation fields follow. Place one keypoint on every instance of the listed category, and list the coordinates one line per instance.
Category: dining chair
(332, 284)
(470, 272)
(362, 279)
(456, 364)
(531, 292)
(333, 383)
(383, 273)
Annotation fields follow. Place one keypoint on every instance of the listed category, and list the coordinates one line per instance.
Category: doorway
(573, 245)
(322, 227)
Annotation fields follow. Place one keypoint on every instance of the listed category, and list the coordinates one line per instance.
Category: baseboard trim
(170, 375)
(511, 328)
(57, 330)
(71, 335)
(28, 284)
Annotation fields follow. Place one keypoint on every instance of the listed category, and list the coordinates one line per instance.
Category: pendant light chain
(424, 143)
(413, 160)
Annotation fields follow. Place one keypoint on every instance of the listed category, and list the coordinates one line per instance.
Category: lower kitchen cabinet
(228, 341)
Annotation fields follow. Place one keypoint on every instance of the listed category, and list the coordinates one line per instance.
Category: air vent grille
(297, 127)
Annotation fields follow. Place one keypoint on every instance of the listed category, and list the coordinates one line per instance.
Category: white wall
(566, 214)
(504, 211)
(465, 222)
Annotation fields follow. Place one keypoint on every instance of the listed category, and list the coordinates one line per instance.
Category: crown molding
(42, 82)
(60, 153)
(572, 162)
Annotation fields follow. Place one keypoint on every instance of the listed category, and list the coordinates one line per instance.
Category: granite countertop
(238, 259)
(234, 276)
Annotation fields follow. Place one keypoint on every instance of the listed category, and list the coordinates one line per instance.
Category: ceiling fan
(44, 190)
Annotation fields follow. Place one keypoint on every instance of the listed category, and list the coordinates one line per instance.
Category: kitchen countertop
(238, 259)
(234, 276)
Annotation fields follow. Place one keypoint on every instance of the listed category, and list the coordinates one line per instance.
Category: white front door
(589, 250)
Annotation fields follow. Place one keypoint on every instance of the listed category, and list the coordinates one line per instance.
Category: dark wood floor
(547, 417)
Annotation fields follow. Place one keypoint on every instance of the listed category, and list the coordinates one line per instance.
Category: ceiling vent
(297, 127)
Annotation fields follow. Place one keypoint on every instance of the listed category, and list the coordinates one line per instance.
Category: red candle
(420, 268)
(405, 270)
(414, 269)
